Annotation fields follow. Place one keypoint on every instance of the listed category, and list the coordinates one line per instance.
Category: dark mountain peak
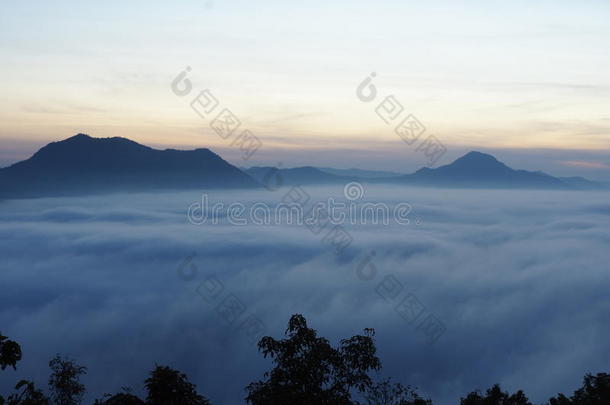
(83, 139)
(83, 142)
(202, 153)
(477, 159)
(477, 169)
(471, 164)
(79, 136)
(84, 164)
(475, 154)
(204, 150)
(78, 139)
(84, 149)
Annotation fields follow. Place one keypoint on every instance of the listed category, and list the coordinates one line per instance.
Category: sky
(526, 81)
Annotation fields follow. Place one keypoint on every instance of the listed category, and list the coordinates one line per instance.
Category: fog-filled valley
(516, 280)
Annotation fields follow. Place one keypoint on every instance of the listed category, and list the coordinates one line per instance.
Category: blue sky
(515, 79)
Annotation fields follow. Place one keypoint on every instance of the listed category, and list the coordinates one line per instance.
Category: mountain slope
(82, 164)
(583, 184)
(481, 170)
(360, 173)
(298, 175)
(85, 165)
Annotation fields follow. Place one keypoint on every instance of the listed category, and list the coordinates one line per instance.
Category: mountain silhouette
(582, 183)
(299, 175)
(481, 170)
(473, 170)
(83, 164)
(86, 165)
(360, 173)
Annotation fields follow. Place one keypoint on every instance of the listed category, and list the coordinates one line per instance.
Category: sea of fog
(469, 288)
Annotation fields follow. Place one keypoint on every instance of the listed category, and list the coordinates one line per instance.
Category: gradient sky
(527, 81)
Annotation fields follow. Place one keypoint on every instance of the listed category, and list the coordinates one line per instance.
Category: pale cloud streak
(495, 75)
(585, 164)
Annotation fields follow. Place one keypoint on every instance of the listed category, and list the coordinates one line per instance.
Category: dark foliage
(308, 370)
(595, 390)
(387, 393)
(29, 395)
(167, 386)
(122, 398)
(10, 353)
(495, 396)
(64, 382)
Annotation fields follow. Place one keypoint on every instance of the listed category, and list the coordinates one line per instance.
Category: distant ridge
(583, 184)
(361, 173)
(473, 170)
(298, 175)
(481, 170)
(82, 164)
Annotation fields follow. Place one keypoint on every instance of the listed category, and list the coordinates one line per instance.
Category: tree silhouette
(308, 370)
(10, 353)
(122, 398)
(64, 382)
(167, 386)
(560, 399)
(29, 395)
(495, 396)
(595, 390)
(387, 393)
